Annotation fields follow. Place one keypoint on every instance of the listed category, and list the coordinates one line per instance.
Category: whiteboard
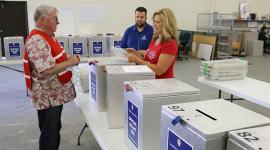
(205, 51)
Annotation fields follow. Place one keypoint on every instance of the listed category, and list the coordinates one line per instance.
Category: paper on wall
(92, 13)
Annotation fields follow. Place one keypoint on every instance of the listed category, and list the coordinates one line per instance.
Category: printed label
(97, 47)
(176, 143)
(133, 127)
(77, 48)
(62, 43)
(248, 136)
(14, 49)
(116, 44)
(93, 86)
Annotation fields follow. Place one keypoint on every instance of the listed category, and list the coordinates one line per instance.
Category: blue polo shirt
(137, 40)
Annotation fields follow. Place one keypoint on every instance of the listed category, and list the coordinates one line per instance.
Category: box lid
(214, 118)
(104, 61)
(161, 87)
(128, 70)
(253, 138)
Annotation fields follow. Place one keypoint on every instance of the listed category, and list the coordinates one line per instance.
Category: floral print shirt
(45, 92)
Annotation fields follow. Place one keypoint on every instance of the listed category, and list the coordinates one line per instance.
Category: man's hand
(74, 60)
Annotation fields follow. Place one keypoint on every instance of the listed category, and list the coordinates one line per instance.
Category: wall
(261, 7)
(116, 15)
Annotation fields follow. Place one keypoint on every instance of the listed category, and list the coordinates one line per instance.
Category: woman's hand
(133, 58)
(130, 50)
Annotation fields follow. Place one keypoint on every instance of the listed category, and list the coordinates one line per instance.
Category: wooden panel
(206, 39)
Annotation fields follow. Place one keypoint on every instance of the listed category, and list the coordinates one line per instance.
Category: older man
(138, 36)
(47, 77)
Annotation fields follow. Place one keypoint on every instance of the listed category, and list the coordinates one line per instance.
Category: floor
(18, 120)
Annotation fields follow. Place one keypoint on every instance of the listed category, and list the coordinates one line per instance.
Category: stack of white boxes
(226, 69)
(14, 47)
(254, 48)
(143, 101)
(248, 36)
(249, 139)
(78, 46)
(97, 46)
(80, 77)
(64, 42)
(204, 125)
(97, 80)
(115, 77)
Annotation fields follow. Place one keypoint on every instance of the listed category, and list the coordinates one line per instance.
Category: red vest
(58, 53)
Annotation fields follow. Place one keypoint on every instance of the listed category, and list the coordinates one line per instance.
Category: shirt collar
(37, 28)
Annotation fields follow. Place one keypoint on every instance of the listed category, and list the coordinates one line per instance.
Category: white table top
(3, 61)
(108, 139)
(250, 89)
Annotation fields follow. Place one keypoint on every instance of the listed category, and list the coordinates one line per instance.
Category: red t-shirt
(153, 53)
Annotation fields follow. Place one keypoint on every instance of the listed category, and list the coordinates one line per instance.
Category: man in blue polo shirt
(139, 35)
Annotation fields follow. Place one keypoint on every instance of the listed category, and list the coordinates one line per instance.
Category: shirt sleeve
(124, 40)
(39, 53)
(170, 47)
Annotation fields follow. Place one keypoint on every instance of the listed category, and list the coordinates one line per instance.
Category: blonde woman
(162, 51)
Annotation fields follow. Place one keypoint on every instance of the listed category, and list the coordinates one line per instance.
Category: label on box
(174, 142)
(93, 86)
(97, 47)
(133, 127)
(78, 48)
(14, 49)
(62, 43)
(116, 44)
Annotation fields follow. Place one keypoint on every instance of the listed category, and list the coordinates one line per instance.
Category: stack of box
(226, 69)
(143, 101)
(98, 46)
(204, 125)
(14, 47)
(78, 46)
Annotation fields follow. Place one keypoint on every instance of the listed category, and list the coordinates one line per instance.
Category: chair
(183, 49)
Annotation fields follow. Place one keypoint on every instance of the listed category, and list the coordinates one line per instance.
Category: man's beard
(140, 25)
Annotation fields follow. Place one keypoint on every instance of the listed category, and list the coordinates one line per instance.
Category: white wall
(119, 14)
(261, 7)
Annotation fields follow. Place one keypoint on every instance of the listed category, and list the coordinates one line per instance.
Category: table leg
(85, 126)
(219, 94)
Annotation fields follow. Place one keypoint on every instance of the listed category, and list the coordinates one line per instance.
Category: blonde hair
(169, 24)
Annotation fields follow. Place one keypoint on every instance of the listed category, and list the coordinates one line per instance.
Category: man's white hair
(43, 11)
